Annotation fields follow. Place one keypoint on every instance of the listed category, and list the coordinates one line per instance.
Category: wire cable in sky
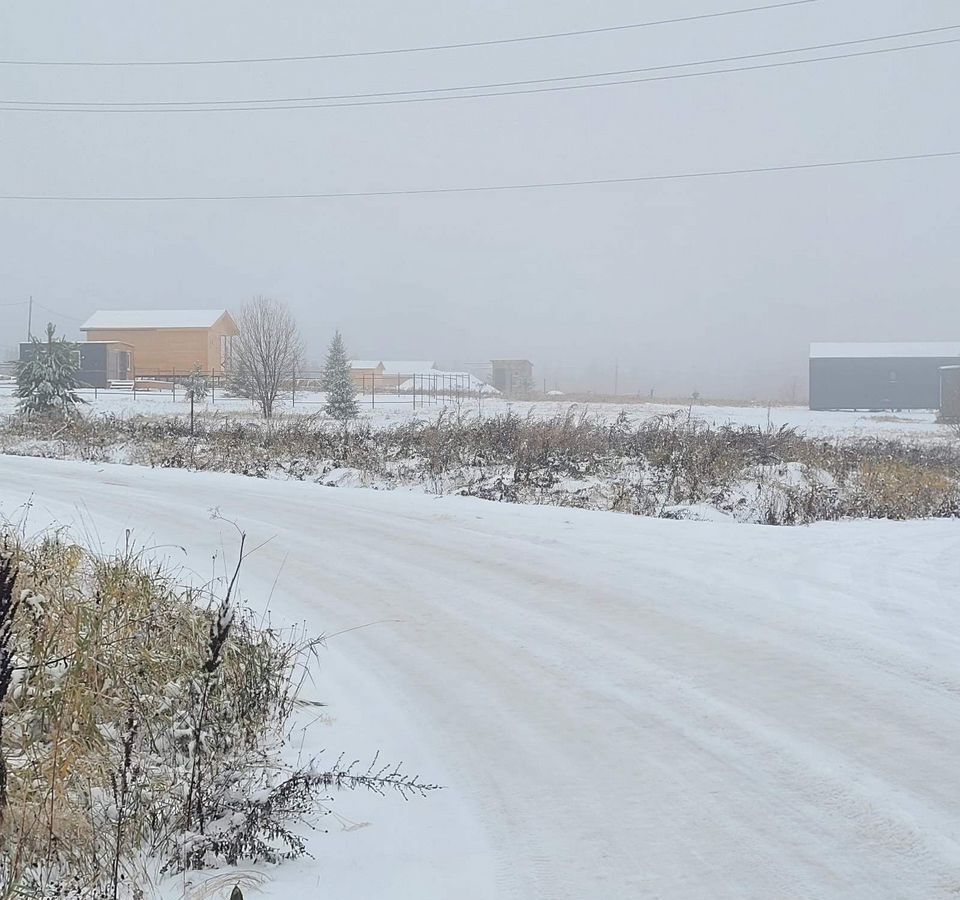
(54, 312)
(531, 185)
(450, 97)
(507, 84)
(419, 49)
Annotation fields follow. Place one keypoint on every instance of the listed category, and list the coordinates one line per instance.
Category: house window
(893, 377)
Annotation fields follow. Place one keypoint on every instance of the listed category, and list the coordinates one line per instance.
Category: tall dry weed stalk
(144, 726)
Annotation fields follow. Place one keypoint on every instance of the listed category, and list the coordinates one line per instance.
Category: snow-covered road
(621, 707)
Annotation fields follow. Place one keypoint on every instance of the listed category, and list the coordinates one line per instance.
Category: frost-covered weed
(649, 467)
(142, 720)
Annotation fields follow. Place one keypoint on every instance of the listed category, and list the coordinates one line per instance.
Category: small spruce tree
(47, 381)
(338, 383)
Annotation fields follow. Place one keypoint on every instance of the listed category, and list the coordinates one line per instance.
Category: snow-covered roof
(364, 363)
(863, 350)
(407, 366)
(152, 318)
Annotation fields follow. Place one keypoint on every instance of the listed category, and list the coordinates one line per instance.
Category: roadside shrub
(142, 726)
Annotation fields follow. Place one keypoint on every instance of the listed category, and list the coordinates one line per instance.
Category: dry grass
(642, 467)
(894, 489)
(143, 726)
(99, 717)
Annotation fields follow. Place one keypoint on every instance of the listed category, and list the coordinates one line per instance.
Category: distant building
(512, 376)
(408, 366)
(879, 376)
(101, 363)
(167, 341)
(365, 372)
(950, 393)
(387, 373)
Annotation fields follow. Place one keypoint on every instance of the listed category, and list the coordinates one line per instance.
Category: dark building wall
(876, 383)
(950, 393)
(93, 363)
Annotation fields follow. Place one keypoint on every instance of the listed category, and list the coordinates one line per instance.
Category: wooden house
(167, 342)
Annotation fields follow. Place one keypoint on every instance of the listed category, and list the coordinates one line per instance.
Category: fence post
(173, 382)
(213, 386)
(293, 399)
(373, 390)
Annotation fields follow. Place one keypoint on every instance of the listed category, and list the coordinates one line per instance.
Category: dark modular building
(879, 376)
(101, 362)
(950, 393)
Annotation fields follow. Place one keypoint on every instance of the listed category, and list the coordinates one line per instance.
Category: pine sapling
(337, 382)
(47, 381)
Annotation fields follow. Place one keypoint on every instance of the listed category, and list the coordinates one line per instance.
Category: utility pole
(30, 318)
(616, 378)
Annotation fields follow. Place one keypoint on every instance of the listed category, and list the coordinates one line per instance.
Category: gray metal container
(950, 393)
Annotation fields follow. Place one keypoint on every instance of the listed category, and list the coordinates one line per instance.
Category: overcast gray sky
(715, 285)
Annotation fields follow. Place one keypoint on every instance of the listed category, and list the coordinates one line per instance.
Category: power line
(54, 312)
(417, 49)
(636, 179)
(507, 84)
(507, 93)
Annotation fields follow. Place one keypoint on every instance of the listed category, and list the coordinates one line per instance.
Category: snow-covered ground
(619, 707)
(392, 408)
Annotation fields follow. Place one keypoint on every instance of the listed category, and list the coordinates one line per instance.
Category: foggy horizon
(716, 285)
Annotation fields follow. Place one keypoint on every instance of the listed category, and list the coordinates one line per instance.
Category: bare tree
(266, 353)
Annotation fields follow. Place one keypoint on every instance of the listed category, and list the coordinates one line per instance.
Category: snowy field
(619, 707)
(392, 408)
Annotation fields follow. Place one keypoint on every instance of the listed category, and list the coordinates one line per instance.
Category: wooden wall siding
(163, 351)
(223, 327)
(363, 377)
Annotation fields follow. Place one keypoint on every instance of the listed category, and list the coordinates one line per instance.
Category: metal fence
(416, 389)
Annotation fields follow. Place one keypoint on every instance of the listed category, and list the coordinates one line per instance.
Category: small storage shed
(167, 341)
(100, 362)
(879, 375)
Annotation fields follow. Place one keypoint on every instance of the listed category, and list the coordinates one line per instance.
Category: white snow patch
(618, 706)
(152, 318)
